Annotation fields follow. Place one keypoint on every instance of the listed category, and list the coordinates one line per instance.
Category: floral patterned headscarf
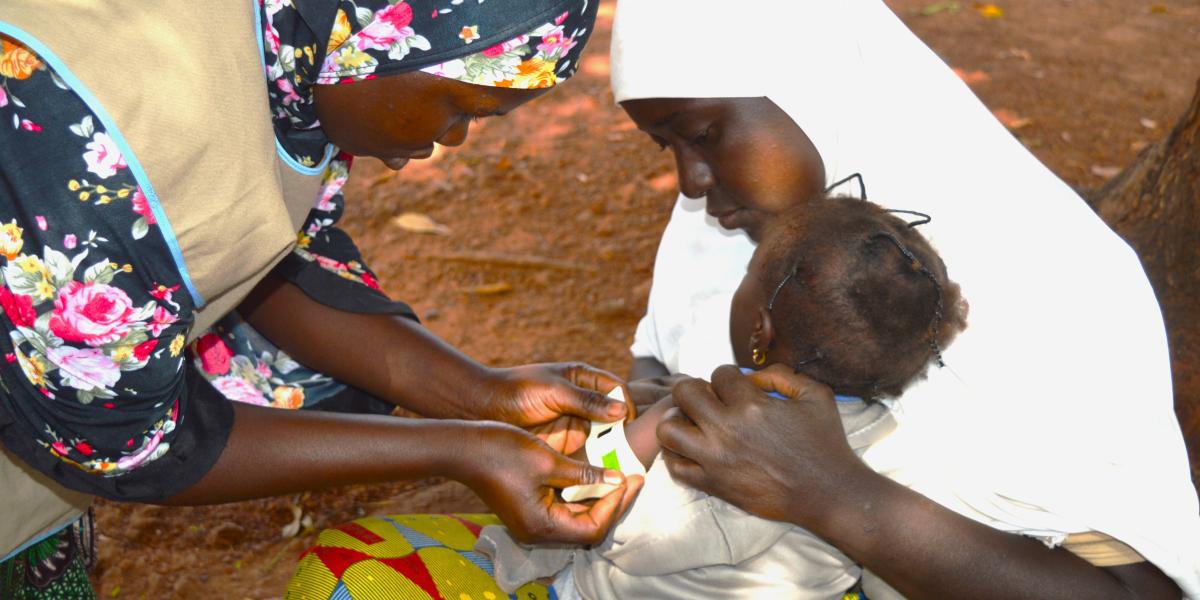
(504, 43)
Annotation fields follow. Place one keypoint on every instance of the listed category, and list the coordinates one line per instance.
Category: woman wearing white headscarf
(1053, 417)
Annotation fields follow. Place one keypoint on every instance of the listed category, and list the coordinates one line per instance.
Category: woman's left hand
(556, 401)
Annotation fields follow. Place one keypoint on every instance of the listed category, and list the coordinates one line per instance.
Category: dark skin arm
(789, 461)
(400, 361)
(649, 381)
(512, 471)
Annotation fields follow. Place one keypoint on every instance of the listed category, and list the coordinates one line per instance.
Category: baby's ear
(764, 330)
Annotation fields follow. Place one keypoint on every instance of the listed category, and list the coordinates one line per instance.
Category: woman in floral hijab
(101, 289)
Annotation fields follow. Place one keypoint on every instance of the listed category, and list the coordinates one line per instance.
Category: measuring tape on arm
(606, 447)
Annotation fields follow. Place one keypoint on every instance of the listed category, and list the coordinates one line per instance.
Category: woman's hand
(518, 476)
(557, 402)
(646, 392)
(779, 459)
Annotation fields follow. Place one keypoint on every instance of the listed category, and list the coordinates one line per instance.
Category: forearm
(271, 452)
(927, 551)
(390, 357)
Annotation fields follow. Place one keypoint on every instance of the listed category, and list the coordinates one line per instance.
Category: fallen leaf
(972, 77)
(1020, 53)
(491, 289)
(1148, 123)
(116, 591)
(1157, 9)
(937, 7)
(989, 11)
(292, 529)
(1031, 142)
(419, 223)
(1105, 172)
(1010, 119)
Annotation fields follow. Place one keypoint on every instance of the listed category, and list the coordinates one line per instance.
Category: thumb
(568, 472)
(590, 401)
(783, 380)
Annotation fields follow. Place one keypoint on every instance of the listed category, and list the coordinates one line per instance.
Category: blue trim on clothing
(30, 543)
(288, 159)
(837, 397)
(110, 127)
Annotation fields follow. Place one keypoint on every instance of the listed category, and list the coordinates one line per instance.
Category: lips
(397, 162)
(729, 219)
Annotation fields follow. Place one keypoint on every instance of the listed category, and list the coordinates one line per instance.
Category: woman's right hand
(782, 460)
(519, 476)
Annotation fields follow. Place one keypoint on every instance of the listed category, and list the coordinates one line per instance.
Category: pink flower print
(18, 307)
(92, 313)
(28, 125)
(141, 206)
(142, 351)
(84, 448)
(494, 51)
(331, 264)
(271, 35)
(561, 18)
(285, 85)
(328, 191)
(86, 369)
(161, 320)
(370, 281)
(70, 241)
(213, 353)
(554, 44)
(3, 97)
(59, 447)
(263, 369)
(41, 222)
(134, 460)
(390, 26)
(103, 156)
(163, 292)
(239, 390)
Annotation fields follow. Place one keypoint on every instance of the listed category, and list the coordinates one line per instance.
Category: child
(841, 290)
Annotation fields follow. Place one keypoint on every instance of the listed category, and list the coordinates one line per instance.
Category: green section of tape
(610, 461)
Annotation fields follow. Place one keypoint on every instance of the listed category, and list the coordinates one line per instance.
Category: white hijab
(1054, 414)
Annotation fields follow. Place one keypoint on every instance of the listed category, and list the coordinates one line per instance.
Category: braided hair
(863, 303)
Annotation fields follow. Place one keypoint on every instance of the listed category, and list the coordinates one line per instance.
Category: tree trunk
(1155, 205)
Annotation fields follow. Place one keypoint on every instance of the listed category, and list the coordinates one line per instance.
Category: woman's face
(399, 117)
(745, 155)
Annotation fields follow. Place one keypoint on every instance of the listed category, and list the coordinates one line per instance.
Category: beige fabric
(34, 505)
(184, 82)
(1101, 550)
(200, 128)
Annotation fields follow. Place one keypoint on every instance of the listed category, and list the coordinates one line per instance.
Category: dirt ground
(553, 217)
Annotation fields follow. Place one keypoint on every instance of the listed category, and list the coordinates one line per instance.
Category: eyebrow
(663, 122)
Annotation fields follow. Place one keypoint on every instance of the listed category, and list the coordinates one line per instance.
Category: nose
(695, 176)
(456, 134)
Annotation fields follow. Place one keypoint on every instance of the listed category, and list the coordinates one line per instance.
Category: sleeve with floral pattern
(97, 393)
(326, 264)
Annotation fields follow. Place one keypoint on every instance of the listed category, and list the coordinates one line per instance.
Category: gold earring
(758, 356)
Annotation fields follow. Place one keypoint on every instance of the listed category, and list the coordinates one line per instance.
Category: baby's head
(848, 294)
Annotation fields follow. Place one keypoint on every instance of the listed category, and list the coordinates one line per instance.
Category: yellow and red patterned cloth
(403, 557)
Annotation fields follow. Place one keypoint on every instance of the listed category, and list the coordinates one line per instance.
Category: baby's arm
(641, 433)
